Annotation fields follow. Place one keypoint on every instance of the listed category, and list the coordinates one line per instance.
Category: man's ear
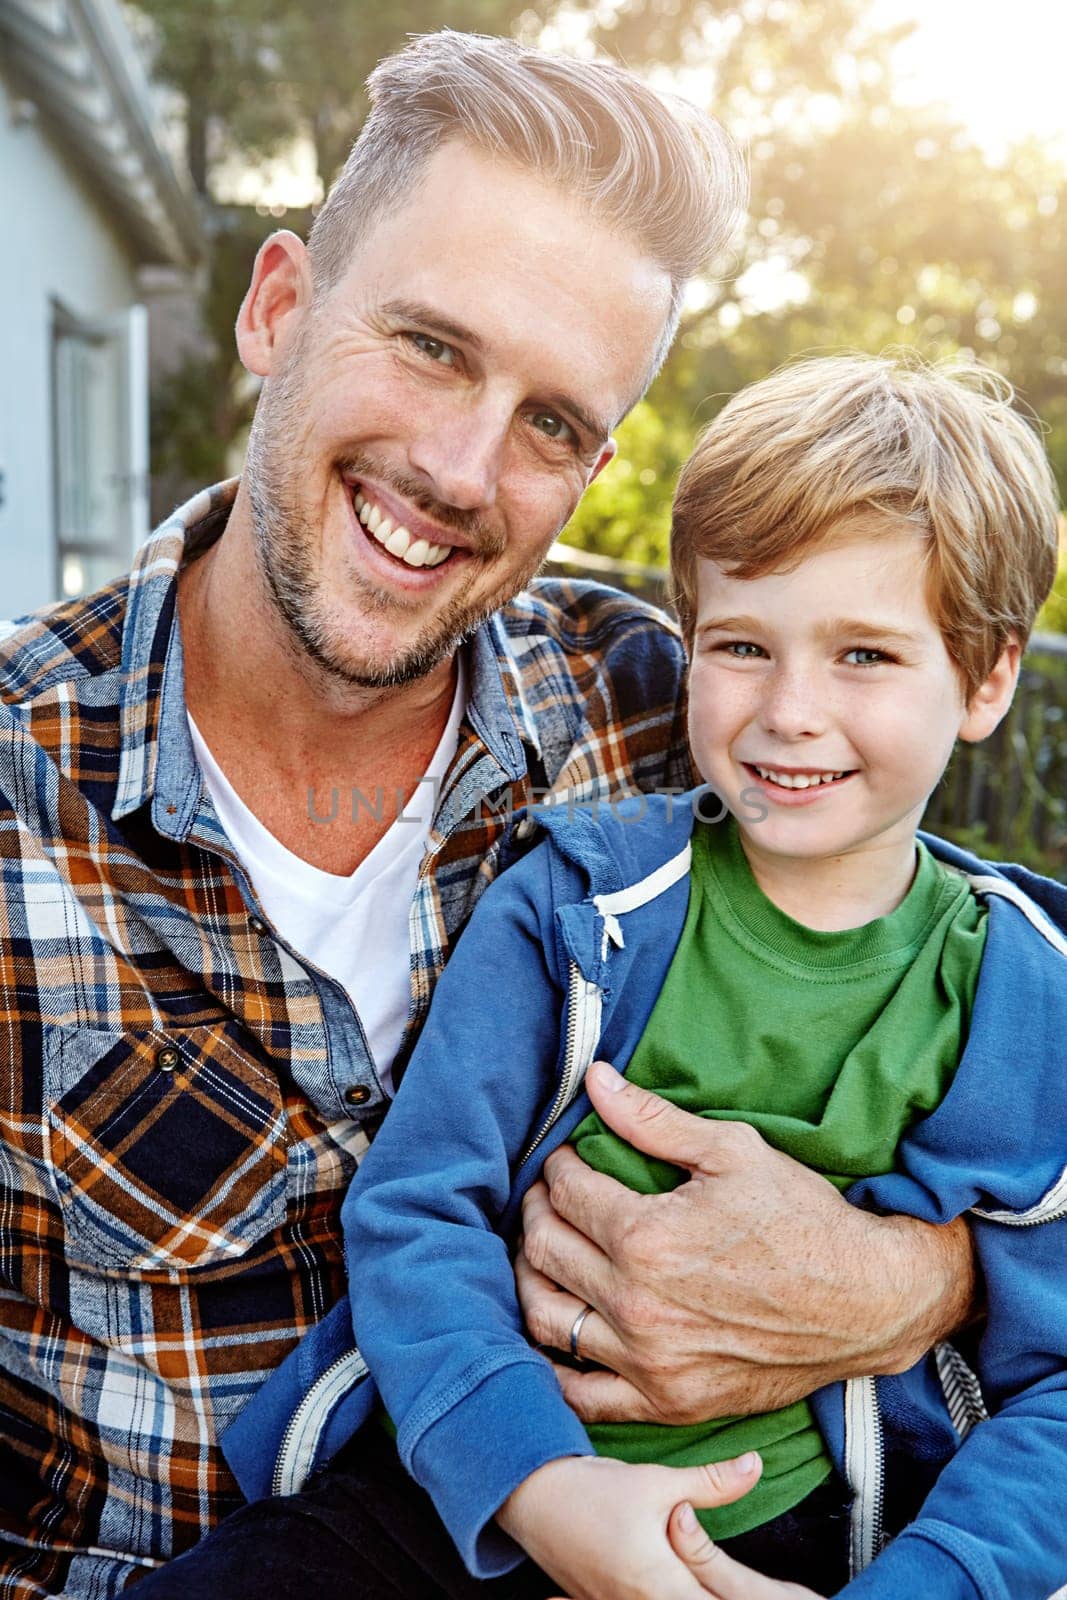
(609, 452)
(991, 699)
(277, 298)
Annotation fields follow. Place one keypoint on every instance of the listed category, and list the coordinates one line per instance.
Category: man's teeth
(397, 540)
(797, 780)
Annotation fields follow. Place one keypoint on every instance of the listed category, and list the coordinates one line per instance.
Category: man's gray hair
(648, 164)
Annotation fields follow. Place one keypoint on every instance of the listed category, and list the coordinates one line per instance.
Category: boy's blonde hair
(790, 458)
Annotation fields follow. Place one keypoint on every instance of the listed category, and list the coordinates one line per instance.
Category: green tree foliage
(204, 407)
(256, 74)
(1053, 615)
(871, 225)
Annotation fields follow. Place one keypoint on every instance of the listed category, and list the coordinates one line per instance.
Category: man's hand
(603, 1529)
(741, 1291)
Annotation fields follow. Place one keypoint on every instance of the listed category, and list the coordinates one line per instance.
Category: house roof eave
(76, 60)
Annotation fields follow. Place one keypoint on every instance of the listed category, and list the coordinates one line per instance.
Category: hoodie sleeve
(993, 1526)
(433, 1299)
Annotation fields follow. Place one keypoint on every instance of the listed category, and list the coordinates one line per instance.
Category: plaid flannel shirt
(183, 1099)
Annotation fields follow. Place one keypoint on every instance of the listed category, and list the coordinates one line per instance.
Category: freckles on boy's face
(823, 700)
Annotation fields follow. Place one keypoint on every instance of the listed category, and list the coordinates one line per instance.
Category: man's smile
(395, 538)
(416, 549)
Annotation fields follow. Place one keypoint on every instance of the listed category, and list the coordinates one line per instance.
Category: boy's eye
(433, 349)
(861, 656)
(742, 649)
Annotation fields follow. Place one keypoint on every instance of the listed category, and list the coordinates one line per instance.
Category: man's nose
(794, 704)
(460, 454)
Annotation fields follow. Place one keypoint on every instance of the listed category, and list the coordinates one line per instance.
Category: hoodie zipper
(1050, 1208)
(864, 1470)
(584, 1005)
(297, 1449)
(294, 1460)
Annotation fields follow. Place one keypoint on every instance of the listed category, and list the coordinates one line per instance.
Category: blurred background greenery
(879, 217)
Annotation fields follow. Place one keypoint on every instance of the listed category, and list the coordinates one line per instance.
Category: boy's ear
(991, 699)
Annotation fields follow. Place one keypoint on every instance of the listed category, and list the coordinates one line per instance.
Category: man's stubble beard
(285, 541)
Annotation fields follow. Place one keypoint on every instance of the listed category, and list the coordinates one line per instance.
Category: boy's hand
(600, 1527)
(742, 1290)
(720, 1575)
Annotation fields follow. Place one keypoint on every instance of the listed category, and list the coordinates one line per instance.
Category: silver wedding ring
(576, 1330)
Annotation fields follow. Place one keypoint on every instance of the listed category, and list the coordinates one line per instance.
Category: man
(228, 887)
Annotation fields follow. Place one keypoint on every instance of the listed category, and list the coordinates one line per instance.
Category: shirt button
(257, 925)
(524, 827)
(357, 1094)
(167, 1058)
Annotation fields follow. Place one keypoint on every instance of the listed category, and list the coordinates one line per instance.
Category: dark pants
(363, 1530)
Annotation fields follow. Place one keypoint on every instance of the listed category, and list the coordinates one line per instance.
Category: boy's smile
(824, 697)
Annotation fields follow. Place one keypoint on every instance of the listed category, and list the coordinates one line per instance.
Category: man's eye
(552, 426)
(863, 657)
(433, 349)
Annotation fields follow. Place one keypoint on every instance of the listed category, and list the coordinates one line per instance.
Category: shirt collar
(152, 688)
(497, 707)
(157, 763)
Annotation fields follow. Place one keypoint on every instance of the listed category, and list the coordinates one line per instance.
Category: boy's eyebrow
(731, 625)
(866, 628)
(436, 322)
(832, 628)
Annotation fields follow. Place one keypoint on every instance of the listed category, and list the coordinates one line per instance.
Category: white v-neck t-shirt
(355, 928)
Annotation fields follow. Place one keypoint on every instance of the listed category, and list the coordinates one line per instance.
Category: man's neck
(285, 732)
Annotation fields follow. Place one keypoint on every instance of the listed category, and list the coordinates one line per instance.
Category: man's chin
(392, 664)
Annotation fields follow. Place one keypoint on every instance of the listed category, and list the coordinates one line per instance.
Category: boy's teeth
(797, 780)
(397, 540)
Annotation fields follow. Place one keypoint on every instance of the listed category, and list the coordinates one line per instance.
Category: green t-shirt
(831, 1045)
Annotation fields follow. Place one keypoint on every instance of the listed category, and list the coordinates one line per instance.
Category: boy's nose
(794, 706)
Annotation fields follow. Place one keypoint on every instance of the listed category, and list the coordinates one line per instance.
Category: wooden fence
(1005, 798)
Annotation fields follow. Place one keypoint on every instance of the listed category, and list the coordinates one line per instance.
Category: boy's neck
(832, 893)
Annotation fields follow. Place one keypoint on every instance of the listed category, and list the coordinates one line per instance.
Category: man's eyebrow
(429, 317)
(436, 322)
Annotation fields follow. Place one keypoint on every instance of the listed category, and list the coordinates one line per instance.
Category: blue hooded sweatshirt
(562, 963)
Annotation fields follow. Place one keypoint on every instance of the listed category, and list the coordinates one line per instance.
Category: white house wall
(57, 245)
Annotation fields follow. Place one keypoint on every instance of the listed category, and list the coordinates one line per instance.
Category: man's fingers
(550, 1313)
(563, 1253)
(719, 1574)
(663, 1130)
(598, 1206)
(602, 1396)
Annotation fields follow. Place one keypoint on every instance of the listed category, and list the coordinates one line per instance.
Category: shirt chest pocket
(168, 1148)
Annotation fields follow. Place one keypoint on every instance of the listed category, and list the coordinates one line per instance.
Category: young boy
(859, 547)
